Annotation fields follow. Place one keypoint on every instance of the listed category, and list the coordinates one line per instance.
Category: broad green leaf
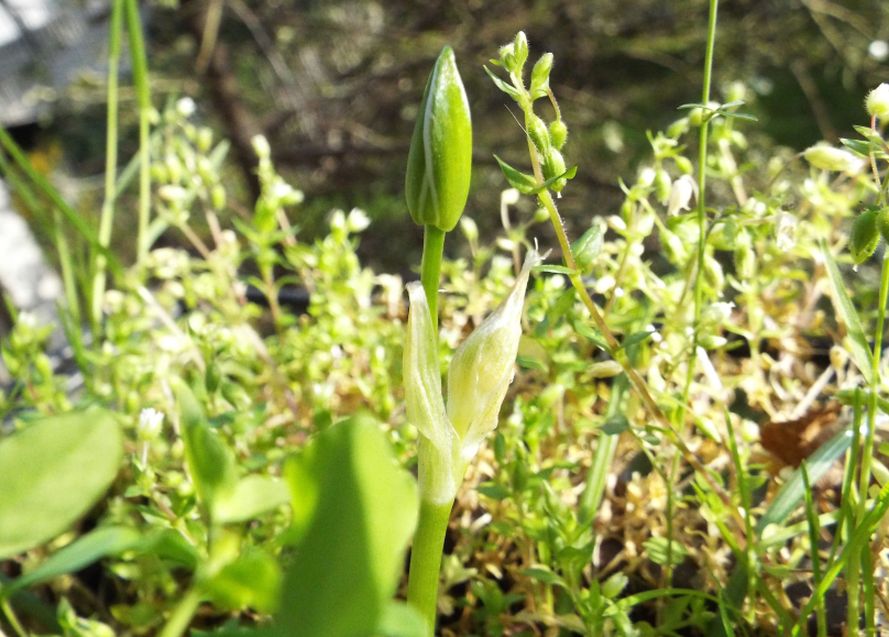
(211, 463)
(85, 550)
(51, 473)
(843, 304)
(250, 497)
(253, 580)
(356, 527)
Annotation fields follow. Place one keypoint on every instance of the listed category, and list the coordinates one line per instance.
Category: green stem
(107, 216)
(143, 94)
(182, 615)
(11, 617)
(422, 586)
(430, 268)
(702, 199)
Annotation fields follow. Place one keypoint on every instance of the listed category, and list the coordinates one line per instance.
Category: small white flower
(185, 107)
(357, 220)
(681, 193)
(150, 423)
(878, 50)
(785, 231)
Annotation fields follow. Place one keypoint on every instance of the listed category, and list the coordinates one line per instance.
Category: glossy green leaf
(356, 524)
(45, 484)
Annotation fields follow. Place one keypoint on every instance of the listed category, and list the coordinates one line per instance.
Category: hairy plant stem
(430, 269)
(422, 586)
(106, 217)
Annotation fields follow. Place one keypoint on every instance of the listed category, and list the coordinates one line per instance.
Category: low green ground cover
(228, 467)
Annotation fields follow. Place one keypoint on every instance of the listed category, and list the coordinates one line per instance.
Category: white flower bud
(261, 147)
(681, 193)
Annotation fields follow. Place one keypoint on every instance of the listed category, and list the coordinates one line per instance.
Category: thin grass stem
(143, 95)
(106, 218)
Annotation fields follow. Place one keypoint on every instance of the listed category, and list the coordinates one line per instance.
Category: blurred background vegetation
(334, 85)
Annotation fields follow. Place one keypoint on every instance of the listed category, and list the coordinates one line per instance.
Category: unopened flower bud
(540, 76)
(558, 133)
(826, 157)
(681, 192)
(553, 166)
(877, 102)
(538, 133)
(439, 163)
(261, 147)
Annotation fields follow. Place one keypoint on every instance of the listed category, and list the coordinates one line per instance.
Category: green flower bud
(883, 223)
(520, 50)
(538, 133)
(558, 134)
(540, 76)
(553, 166)
(439, 164)
(865, 235)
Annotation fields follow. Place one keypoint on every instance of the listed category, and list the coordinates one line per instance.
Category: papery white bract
(480, 373)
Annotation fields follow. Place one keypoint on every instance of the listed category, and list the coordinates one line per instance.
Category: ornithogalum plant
(436, 188)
